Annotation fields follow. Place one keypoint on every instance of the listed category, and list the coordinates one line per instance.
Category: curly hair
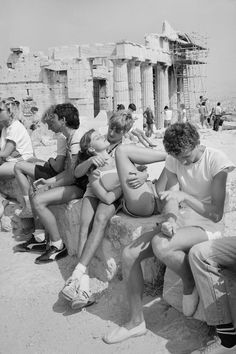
(180, 137)
(70, 113)
(121, 120)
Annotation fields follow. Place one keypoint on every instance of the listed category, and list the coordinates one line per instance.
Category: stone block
(173, 293)
(120, 231)
(10, 188)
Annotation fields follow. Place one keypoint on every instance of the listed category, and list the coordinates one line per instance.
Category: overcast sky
(40, 24)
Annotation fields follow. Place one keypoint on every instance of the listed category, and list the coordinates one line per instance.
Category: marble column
(147, 86)
(162, 93)
(134, 80)
(120, 83)
(173, 93)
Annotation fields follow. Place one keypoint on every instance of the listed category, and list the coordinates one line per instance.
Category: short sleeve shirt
(17, 133)
(196, 178)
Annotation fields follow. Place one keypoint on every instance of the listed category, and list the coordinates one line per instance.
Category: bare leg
(126, 156)
(133, 254)
(53, 196)
(103, 214)
(87, 212)
(22, 170)
(7, 169)
(173, 252)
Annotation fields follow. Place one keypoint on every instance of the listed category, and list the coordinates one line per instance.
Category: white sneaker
(215, 347)
(70, 289)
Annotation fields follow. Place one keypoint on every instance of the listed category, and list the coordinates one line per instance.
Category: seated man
(196, 178)
(207, 260)
(36, 170)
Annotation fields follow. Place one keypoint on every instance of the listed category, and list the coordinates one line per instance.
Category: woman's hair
(179, 137)
(121, 121)
(120, 107)
(70, 113)
(48, 114)
(85, 144)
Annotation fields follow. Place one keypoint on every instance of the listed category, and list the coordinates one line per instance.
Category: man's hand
(136, 179)
(168, 228)
(177, 195)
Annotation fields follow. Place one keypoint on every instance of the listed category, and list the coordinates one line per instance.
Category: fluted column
(173, 94)
(147, 86)
(134, 80)
(120, 82)
(162, 93)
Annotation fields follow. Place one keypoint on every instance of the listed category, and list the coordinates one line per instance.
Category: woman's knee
(102, 217)
(161, 248)
(19, 166)
(38, 202)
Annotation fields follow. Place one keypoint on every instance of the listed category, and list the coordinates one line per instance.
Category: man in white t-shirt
(193, 211)
(167, 116)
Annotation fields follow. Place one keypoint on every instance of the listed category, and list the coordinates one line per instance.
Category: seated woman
(104, 184)
(15, 141)
(38, 169)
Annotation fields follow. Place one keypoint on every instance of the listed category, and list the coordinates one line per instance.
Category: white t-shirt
(218, 110)
(17, 133)
(168, 114)
(73, 146)
(61, 144)
(195, 179)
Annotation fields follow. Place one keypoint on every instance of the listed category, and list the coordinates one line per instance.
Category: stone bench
(120, 231)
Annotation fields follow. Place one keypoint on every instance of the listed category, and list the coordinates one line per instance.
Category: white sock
(57, 244)
(39, 235)
(80, 269)
(27, 202)
(84, 283)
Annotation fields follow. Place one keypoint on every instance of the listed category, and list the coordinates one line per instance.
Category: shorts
(46, 171)
(156, 204)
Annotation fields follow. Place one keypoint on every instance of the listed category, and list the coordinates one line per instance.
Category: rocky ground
(35, 319)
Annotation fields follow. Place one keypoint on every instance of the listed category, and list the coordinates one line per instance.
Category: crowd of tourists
(109, 173)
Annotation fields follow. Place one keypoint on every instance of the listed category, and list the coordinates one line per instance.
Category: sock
(84, 283)
(227, 334)
(39, 235)
(80, 269)
(27, 202)
(57, 244)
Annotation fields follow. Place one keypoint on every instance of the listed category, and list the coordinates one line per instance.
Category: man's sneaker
(32, 246)
(82, 299)
(51, 254)
(215, 347)
(25, 213)
(70, 289)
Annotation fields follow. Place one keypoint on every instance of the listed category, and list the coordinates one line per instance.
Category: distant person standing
(167, 117)
(149, 117)
(182, 114)
(120, 107)
(218, 120)
(203, 114)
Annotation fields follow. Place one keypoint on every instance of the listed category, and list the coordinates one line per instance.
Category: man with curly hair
(193, 211)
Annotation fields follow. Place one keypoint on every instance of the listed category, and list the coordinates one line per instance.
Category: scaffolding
(189, 55)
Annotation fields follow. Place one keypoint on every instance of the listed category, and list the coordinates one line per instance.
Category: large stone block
(173, 293)
(120, 231)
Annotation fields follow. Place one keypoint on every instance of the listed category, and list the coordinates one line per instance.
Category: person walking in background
(149, 117)
(167, 117)
(182, 114)
(203, 114)
(218, 114)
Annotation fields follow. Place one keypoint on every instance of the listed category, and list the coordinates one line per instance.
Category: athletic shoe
(32, 246)
(26, 213)
(51, 254)
(215, 347)
(70, 289)
(81, 300)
